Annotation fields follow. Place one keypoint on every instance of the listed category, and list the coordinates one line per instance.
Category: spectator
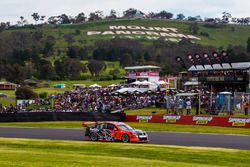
(245, 106)
(188, 106)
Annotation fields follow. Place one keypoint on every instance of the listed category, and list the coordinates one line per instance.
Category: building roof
(6, 83)
(141, 67)
(225, 66)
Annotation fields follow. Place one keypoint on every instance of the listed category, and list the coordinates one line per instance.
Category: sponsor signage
(171, 118)
(239, 121)
(143, 32)
(193, 120)
(132, 74)
(143, 118)
(202, 120)
(152, 74)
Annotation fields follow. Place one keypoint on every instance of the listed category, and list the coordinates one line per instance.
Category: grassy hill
(219, 36)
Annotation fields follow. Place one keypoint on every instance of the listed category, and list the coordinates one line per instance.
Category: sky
(11, 10)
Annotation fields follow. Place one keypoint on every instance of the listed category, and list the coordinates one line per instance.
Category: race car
(114, 131)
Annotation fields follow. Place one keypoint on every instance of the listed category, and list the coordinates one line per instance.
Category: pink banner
(192, 120)
(143, 74)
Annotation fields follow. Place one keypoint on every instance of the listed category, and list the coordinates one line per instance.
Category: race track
(165, 138)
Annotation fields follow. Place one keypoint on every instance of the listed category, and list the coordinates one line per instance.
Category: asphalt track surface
(164, 138)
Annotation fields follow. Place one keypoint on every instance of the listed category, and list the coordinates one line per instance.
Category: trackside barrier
(192, 120)
(60, 116)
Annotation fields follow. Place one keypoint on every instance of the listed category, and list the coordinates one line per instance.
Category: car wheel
(125, 138)
(93, 137)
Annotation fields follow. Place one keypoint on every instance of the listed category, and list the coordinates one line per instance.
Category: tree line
(25, 55)
(127, 14)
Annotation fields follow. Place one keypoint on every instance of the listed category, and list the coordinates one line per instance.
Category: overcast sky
(11, 10)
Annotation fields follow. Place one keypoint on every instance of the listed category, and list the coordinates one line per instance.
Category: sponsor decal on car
(202, 120)
(143, 118)
(239, 121)
(171, 118)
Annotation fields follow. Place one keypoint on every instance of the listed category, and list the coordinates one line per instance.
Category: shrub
(25, 93)
(206, 34)
(43, 95)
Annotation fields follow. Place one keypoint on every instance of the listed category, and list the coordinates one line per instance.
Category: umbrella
(225, 93)
(95, 86)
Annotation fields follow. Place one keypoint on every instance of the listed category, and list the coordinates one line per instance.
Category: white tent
(112, 85)
(225, 93)
(95, 86)
(147, 83)
(136, 83)
(131, 90)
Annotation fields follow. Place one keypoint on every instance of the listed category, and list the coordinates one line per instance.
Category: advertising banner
(192, 120)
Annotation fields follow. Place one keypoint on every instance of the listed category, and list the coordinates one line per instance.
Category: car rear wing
(87, 124)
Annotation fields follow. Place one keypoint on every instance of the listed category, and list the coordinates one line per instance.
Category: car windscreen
(125, 127)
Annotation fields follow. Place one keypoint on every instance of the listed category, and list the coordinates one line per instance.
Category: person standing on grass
(245, 106)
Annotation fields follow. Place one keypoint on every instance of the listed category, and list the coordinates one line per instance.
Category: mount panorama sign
(142, 32)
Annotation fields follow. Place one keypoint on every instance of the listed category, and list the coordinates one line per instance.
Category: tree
(97, 15)
(130, 13)
(64, 19)
(22, 21)
(42, 18)
(25, 93)
(194, 28)
(68, 69)
(115, 73)
(47, 71)
(69, 38)
(226, 17)
(15, 73)
(180, 16)
(126, 60)
(4, 26)
(36, 17)
(164, 15)
(95, 67)
(53, 20)
(73, 52)
(112, 15)
(190, 18)
(80, 18)
(49, 46)
(248, 45)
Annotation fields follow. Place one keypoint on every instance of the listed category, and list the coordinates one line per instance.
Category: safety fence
(192, 120)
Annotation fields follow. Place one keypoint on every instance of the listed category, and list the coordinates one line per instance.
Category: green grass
(222, 36)
(10, 99)
(40, 153)
(144, 126)
(146, 111)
